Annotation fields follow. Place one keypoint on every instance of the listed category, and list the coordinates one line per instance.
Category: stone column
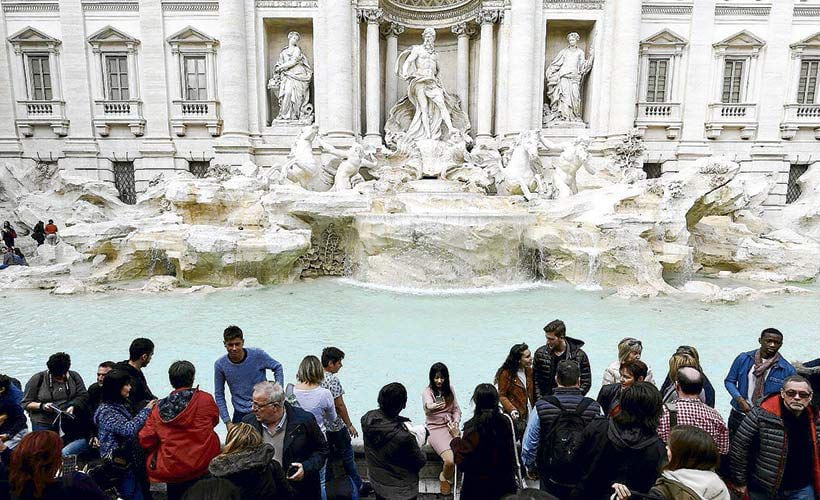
(520, 84)
(373, 75)
(463, 31)
(624, 85)
(486, 67)
(9, 142)
(80, 148)
(233, 147)
(774, 93)
(391, 33)
(501, 76)
(338, 44)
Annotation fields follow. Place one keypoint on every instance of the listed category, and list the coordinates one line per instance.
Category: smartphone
(293, 469)
(69, 465)
(439, 398)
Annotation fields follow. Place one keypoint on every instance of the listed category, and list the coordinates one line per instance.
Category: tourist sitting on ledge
(51, 232)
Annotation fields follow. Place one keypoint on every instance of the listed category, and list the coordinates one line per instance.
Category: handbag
(110, 470)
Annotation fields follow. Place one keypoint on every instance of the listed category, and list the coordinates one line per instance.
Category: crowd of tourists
(534, 421)
(11, 254)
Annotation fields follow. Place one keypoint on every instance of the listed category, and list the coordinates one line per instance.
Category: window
(40, 77)
(195, 79)
(807, 84)
(199, 168)
(124, 181)
(793, 190)
(116, 76)
(732, 81)
(653, 170)
(657, 77)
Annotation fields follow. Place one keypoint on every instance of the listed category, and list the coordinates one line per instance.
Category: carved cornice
(666, 10)
(190, 6)
(287, 4)
(370, 16)
(463, 29)
(489, 16)
(392, 29)
(31, 7)
(729, 10)
(575, 4)
(111, 6)
(435, 14)
(800, 11)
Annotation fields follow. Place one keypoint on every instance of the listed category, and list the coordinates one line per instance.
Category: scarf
(761, 366)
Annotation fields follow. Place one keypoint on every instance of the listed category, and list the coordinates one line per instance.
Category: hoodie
(254, 472)
(629, 455)
(179, 436)
(704, 483)
(394, 457)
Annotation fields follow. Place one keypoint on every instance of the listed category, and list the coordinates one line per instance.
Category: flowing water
(389, 335)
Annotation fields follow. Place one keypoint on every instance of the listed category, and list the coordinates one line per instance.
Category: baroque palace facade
(121, 90)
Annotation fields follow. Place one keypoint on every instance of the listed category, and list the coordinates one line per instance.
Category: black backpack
(563, 441)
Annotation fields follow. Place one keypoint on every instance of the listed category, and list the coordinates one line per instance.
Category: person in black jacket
(300, 446)
(811, 370)
(558, 347)
(624, 449)
(140, 353)
(248, 463)
(391, 447)
(609, 397)
(486, 452)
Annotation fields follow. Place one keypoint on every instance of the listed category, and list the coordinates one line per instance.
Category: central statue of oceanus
(428, 112)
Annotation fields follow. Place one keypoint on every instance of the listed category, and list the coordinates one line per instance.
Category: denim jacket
(737, 381)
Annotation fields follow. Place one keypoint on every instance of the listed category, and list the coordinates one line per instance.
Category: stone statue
(428, 112)
(565, 75)
(575, 155)
(350, 162)
(302, 167)
(523, 173)
(291, 76)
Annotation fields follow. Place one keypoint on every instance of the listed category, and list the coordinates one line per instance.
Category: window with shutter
(116, 68)
(733, 81)
(657, 78)
(40, 75)
(195, 80)
(807, 84)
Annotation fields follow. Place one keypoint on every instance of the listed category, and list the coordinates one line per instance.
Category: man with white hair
(299, 444)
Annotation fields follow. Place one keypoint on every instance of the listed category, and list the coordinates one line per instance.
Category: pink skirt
(439, 438)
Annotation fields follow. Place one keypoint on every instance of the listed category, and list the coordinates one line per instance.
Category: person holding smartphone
(443, 416)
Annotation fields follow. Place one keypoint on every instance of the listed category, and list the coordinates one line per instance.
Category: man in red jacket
(179, 437)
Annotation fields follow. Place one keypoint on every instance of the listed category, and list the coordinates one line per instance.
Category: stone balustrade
(741, 116)
(195, 113)
(667, 115)
(108, 113)
(797, 116)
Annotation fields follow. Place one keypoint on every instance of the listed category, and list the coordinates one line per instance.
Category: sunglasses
(801, 394)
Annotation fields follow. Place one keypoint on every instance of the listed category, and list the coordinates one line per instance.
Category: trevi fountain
(430, 233)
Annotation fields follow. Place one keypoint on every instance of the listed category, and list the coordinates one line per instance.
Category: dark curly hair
(58, 364)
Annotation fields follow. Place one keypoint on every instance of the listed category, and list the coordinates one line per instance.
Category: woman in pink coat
(443, 416)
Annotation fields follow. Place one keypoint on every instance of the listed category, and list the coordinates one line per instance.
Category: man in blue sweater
(755, 375)
(241, 368)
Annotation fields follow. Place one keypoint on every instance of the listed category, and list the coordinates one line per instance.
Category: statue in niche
(565, 75)
(428, 112)
(291, 81)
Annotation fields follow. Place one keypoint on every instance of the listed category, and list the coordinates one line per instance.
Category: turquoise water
(388, 336)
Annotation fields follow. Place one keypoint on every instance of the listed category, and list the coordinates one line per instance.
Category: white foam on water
(479, 290)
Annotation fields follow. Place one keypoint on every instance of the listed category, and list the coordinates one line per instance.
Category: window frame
(31, 87)
(201, 77)
(667, 61)
(108, 88)
(742, 84)
(810, 61)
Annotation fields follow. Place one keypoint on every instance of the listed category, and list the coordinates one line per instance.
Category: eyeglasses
(801, 394)
(274, 404)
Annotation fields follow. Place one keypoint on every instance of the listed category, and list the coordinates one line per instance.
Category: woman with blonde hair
(310, 394)
(249, 464)
(629, 350)
(686, 356)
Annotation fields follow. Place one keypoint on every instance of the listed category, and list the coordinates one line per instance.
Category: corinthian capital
(392, 29)
(370, 16)
(463, 29)
(489, 16)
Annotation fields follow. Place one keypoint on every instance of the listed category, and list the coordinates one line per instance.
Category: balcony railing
(797, 116)
(741, 116)
(196, 113)
(660, 114)
(33, 113)
(108, 113)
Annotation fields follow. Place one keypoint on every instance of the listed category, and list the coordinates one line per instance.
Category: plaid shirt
(695, 412)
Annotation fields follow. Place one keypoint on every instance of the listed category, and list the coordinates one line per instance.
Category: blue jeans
(130, 487)
(37, 426)
(805, 493)
(341, 447)
(354, 489)
(76, 447)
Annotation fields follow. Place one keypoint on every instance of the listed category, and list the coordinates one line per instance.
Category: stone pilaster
(625, 60)
(463, 31)
(701, 58)
(338, 46)
(520, 84)
(391, 32)
(774, 90)
(503, 65)
(233, 147)
(80, 148)
(9, 141)
(486, 67)
(373, 76)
